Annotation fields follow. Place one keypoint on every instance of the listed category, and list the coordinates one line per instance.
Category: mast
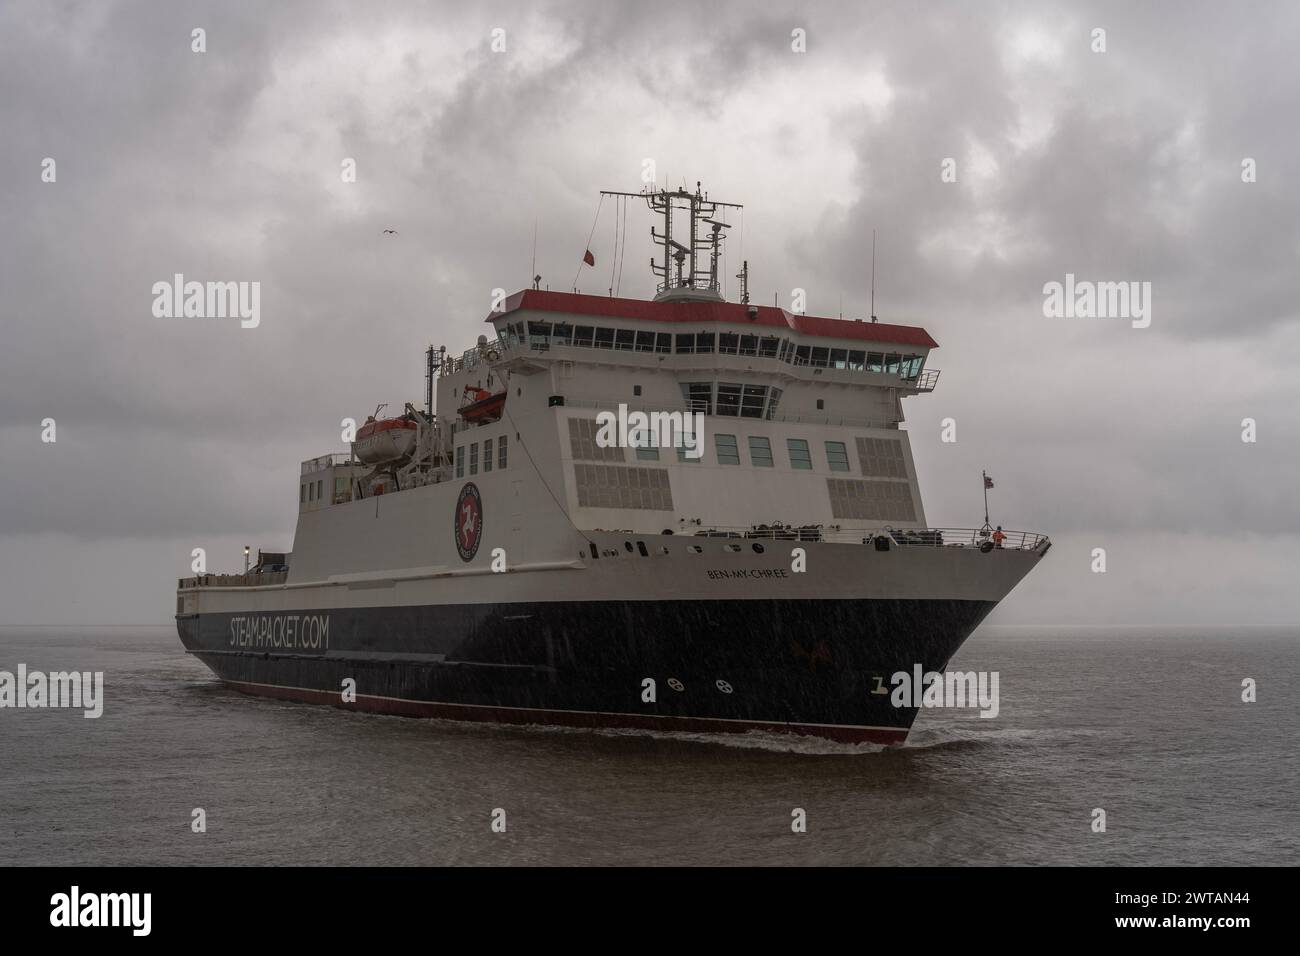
(683, 267)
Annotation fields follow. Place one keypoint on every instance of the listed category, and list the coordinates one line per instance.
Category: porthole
(758, 548)
(733, 548)
(694, 549)
(640, 546)
(628, 546)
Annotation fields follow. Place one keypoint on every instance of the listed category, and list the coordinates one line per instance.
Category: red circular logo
(468, 522)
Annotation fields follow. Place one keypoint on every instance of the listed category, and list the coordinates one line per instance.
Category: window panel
(800, 456)
(487, 456)
(837, 456)
(773, 399)
(728, 399)
(760, 451)
(725, 446)
(752, 401)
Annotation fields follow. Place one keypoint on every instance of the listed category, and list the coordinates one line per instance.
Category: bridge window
(582, 335)
(760, 451)
(752, 403)
(460, 461)
(802, 355)
(800, 457)
(820, 357)
(775, 397)
(837, 456)
(563, 333)
(725, 446)
(704, 342)
(729, 399)
(302, 494)
(728, 343)
(875, 362)
(699, 396)
(891, 364)
(604, 338)
(487, 456)
(749, 345)
(624, 339)
(501, 452)
(645, 341)
(663, 342)
(685, 344)
(839, 358)
(768, 347)
(473, 459)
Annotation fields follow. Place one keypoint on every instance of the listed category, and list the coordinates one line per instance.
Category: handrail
(903, 537)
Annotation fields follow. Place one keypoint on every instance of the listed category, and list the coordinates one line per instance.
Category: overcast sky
(1123, 165)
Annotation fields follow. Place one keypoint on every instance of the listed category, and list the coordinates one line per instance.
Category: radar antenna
(682, 268)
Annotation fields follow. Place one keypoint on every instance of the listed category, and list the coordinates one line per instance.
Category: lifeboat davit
(480, 405)
(382, 440)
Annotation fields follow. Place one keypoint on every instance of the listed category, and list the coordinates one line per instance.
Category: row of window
(311, 491)
(729, 399)
(760, 453)
(500, 454)
(724, 343)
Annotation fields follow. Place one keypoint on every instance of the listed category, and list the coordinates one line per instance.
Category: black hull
(814, 667)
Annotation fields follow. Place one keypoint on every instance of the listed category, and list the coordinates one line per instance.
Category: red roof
(696, 312)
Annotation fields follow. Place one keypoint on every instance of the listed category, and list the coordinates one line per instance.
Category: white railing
(903, 537)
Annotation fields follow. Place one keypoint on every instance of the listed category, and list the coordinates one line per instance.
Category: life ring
(492, 355)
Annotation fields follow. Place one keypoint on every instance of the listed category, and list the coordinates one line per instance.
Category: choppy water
(1146, 724)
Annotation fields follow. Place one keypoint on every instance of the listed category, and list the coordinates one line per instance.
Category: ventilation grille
(582, 441)
(872, 500)
(617, 486)
(882, 457)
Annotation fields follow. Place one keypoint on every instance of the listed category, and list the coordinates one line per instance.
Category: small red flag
(988, 482)
(589, 259)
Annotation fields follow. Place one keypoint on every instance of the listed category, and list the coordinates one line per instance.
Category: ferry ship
(492, 556)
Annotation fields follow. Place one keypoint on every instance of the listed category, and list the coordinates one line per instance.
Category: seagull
(389, 232)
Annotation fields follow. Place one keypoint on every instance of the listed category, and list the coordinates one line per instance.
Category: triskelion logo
(469, 522)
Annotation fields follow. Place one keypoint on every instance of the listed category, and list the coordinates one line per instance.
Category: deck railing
(903, 537)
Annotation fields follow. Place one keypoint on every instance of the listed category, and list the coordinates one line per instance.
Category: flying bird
(389, 232)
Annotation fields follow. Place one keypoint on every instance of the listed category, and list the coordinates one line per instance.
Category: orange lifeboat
(479, 405)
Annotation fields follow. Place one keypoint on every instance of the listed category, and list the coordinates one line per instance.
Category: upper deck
(713, 335)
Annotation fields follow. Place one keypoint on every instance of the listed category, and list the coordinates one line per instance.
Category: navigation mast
(683, 270)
